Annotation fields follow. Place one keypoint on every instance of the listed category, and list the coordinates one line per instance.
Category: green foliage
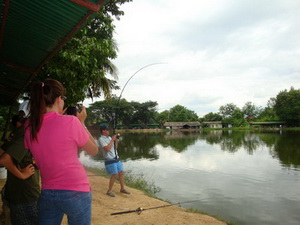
(135, 181)
(144, 113)
(287, 106)
(181, 114)
(123, 112)
(233, 115)
(212, 117)
(139, 182)
(84, 62)
(267, 114)
(249, 109)
(163, 117)
(228, 110)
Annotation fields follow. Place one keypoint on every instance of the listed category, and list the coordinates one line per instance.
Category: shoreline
(103, 205)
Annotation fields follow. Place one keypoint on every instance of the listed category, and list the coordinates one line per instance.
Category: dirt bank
(104, 205)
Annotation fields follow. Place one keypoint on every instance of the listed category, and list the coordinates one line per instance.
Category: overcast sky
(214, 52)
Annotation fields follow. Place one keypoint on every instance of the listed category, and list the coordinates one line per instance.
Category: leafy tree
(103, 111)
(268, 113)
(144, 113)
(112, 111)
(249, 109)
(287, 106)
(228, 110)
(232, 114)
(121, 112)
(163, 117)
(181, 114)
(212, 117)
(271, 103)
(84, 62)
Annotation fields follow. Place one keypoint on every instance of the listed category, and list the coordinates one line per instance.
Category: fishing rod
(118, 102)
(139, 209)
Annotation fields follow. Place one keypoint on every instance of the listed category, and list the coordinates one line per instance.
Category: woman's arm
(24, 173)
(91, 146)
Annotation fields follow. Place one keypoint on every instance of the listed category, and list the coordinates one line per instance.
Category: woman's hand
(82, 115)
(27, 171)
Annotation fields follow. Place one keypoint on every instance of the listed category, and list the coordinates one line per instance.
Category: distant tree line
(285, 107)
(122, 113)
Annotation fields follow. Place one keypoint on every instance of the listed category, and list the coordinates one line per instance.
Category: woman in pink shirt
(53, 140)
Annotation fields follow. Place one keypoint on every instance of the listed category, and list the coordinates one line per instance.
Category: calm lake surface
(243, 177)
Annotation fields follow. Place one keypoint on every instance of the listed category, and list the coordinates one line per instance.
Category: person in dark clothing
(22, 189)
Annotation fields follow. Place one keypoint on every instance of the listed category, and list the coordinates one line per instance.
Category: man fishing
(113, 164)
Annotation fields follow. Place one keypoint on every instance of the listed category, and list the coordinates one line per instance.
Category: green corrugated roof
(31, 32)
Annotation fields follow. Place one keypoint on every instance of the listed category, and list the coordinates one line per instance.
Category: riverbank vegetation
(120, 113)
(137, 181)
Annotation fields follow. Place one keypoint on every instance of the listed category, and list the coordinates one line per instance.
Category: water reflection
(245, 177)
(284, 147)
(179, 141)
(137, 146)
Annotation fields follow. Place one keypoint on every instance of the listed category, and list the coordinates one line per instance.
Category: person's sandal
(125, 191)
(111, 194)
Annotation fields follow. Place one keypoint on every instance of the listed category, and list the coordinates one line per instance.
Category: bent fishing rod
(118, 102)
(139, 209)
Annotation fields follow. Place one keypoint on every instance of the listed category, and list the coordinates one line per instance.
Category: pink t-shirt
(55, 152)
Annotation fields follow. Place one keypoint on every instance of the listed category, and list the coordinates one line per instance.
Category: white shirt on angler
(104, 141)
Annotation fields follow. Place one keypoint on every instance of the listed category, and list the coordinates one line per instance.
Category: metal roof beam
(92, 6)
(22, 68)
(7, 89)
(69, 35)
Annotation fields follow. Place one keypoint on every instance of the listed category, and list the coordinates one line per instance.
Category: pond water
(242, 177)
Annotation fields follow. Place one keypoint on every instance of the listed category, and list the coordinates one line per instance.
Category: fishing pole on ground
(139, 209)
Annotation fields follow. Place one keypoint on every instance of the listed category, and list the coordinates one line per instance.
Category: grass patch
(291, 128)
(134, 181)
(139, 182)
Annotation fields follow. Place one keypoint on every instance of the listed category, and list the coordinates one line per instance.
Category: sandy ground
(103, 206)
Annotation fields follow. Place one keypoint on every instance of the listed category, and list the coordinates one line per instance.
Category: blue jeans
(53, 204)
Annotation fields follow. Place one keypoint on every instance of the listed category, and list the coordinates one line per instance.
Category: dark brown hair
(42, 95)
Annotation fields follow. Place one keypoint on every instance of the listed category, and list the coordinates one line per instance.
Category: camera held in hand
(72, 110)
(118, 135)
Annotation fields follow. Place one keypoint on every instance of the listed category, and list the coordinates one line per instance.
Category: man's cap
(104, 128)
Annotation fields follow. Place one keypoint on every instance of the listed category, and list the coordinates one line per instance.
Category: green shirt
(16, 189)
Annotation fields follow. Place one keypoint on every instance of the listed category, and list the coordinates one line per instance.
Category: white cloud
(217, 52)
